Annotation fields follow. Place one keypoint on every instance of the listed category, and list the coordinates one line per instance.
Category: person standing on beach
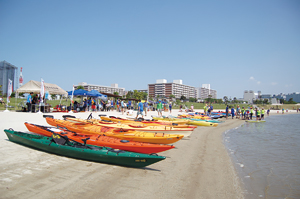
(232, 112)
(159, 108)
(257, 114)
(140, 109)
(170, 107)
(243, 112)
(262, 113)
(29, 101)
(238, 112)
(122, 107)
(205, 109)
(145, 107)
(268, 112)
(192, 108)
(251, 113)
(227, 109)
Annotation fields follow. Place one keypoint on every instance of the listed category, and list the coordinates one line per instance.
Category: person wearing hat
(159, 108)
(251, 113)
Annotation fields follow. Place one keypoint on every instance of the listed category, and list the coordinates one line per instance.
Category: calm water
(267, 156)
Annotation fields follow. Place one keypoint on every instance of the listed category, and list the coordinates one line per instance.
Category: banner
(9, 90)
(72, 95)
(42, 89)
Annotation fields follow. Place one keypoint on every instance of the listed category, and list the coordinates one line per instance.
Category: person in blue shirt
(140, 109)
(145, 107)
(170, 107)
(89, 104)
(29, 101)
(112, 105)
(227, 109)
(232, 112)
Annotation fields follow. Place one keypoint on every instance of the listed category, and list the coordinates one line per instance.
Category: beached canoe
(179, 124)
(187, 131)
(100, 140)
(65, 147)
(197, 123)
(255, 121)
(137, 136)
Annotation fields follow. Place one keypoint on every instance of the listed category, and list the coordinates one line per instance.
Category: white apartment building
(205, 92)
(102, 89)
(163, 89)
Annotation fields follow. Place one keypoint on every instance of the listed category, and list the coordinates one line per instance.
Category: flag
(42, 89)
(72, 94)
(9, 90)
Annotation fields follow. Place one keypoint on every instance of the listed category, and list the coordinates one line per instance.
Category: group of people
(32, 100)
(159, 108)
(247, 114)
(208, 109)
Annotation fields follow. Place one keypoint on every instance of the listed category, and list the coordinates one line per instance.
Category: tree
(225, 98)
(192, 99)
(281, 101)
(116, 93)
(80, 87)
(182, 97)
(129, 95)
(171, 96)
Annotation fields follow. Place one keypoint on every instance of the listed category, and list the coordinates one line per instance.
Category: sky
(232, 45)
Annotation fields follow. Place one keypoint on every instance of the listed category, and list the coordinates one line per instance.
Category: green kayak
(63, 146)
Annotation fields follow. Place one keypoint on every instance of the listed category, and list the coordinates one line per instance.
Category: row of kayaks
(112, 140)
(104, 140)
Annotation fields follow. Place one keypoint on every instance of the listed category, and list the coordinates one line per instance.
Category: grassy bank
(16, 104)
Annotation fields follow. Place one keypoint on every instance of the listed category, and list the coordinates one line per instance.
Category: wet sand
(199, 167)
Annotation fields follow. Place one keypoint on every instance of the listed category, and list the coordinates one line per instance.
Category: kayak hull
(101, 140)
(95, 154)
(137, 136)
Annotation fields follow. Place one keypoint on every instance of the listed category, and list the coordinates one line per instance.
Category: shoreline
(199, 167)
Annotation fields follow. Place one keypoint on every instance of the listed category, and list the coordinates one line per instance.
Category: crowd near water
(267, 156)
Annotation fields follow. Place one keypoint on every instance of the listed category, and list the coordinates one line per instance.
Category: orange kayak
(131, 135)
(100, 140)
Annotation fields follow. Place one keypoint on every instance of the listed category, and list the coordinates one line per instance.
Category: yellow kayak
(137, 127)
(197, 123)
(175, 124)
(138, 136)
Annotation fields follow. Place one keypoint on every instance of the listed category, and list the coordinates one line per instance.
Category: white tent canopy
(35, 87)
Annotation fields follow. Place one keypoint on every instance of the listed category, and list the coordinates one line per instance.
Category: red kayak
(100, 140)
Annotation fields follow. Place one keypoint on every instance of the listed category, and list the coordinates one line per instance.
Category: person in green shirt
(257, 114)
(205, 109)
(159, 108)
(262, 113)
(243, 112)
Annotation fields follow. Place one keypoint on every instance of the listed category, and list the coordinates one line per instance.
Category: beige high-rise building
(163, 89)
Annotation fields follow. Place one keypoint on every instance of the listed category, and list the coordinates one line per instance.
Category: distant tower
(21, 78)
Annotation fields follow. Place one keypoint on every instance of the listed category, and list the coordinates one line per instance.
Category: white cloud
(288, 85)
(273, 83)
(253, 79)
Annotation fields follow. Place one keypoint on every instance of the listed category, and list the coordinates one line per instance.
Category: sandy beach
(199, 167)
